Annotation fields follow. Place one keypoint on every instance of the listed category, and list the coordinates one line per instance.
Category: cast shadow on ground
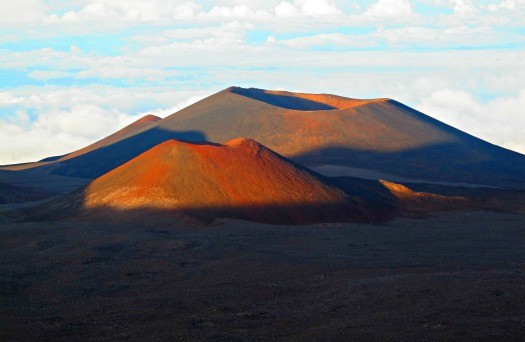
(439, 162)
(369, 202)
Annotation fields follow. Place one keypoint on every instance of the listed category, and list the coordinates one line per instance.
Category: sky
(72, 72)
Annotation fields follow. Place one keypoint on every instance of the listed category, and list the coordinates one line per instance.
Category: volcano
(320, 131)
(240, 179)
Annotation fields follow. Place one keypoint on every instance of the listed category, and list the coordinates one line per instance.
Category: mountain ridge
(379, 135)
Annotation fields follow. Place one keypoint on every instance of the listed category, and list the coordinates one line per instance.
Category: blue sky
(74, 71)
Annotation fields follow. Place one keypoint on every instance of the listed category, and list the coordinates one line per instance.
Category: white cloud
(114, 71)
(84, 120)
(68, 119)
(238, 11)
(408, 36)
(285, 9)
(163, 112)
(464, 7)
(129, 10)
(487, 120)
(390, 8)
(21, 12)
(448, 37)
(317, 7)
(229, 31)
(509, 5)
(55, 132)
(335, 39)
(44, 75)
(105, 15)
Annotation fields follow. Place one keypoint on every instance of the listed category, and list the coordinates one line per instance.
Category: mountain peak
(147, 118)
(244, 143)
(212, 180)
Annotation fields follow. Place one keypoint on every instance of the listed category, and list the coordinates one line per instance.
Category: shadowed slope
(101, 160)
(128, 131)
(241, 179)
(299, 101)
(15, 194)
(39, 184)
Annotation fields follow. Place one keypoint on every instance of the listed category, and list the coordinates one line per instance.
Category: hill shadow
(447, 162)
(102, 160)
(51, 159)
(280, 100)
(16, 194)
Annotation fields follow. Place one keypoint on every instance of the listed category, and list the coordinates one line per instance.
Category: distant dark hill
(15, 194)
(126, 132)
(241, 179)
(116, 149)
(30, 185)
(319, 129)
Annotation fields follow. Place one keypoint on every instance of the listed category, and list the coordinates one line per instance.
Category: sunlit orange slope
(240, 179)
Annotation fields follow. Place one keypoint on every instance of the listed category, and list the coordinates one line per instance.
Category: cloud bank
(73, 72)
